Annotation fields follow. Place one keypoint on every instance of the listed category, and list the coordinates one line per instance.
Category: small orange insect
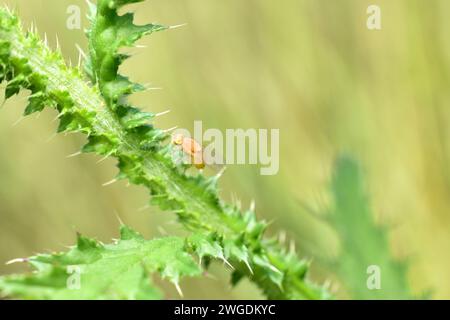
(191, 148)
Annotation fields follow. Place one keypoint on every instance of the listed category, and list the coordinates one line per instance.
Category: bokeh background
(308, 67)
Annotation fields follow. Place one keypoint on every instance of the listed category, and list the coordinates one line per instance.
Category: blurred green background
(308, 67)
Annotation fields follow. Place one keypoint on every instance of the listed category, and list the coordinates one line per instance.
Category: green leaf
(109, 32)
(36, 104)
(101, 145)
(92, 270)
(132, 118)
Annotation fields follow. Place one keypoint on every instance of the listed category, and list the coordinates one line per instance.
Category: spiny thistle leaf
(363, 243)
(108, 33)
(144, 156)
(92, 270)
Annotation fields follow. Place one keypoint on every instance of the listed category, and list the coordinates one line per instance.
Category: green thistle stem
(145, 159)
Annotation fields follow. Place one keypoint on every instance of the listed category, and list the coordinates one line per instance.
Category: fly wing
(190, 146)
(211, 161)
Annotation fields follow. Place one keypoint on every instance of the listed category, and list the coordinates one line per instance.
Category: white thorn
(151, 89)
(74, 154)
(148, 86)
(144, 208)
(274, 269)
(292, 247)
(51, 137)
(120, 220)
(109, 182)
(80, 51)
(57, 43)
(105, 157)
(248, 266)
(226, 262)
(16, 261)
(140, 46)
(162, 113)
(80, 58)
(170, 129)
(221, 172)
(178, 26)
(282, 237)
(177, 286)
(252, 205)
(57, 117)
(18, 121)
(45, 39)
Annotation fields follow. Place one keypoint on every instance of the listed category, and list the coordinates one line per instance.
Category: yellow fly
(190, 147)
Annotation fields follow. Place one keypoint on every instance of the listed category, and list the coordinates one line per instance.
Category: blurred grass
(308, 67)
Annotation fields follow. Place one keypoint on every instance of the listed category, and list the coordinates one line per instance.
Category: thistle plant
(363, 243)
(93, 101)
